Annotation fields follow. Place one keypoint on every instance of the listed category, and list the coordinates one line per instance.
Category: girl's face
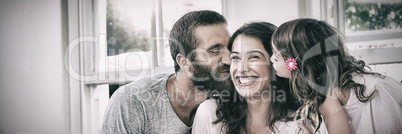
(250, 67)
(279, 63)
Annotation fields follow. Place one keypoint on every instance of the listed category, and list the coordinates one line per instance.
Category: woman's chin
(248, 94)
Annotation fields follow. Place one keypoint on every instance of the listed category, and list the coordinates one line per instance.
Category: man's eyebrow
(215, 46)
(255, 51)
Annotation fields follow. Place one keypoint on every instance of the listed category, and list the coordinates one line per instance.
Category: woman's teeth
(247, 80)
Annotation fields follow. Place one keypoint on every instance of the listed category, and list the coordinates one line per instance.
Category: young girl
(257, 104)
(328, 80)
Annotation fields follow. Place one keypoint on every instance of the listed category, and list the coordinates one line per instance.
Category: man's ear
(184, 63)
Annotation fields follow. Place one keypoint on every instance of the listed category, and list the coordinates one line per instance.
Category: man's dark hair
(182, 38)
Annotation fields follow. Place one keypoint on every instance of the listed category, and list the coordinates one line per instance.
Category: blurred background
(60, 60)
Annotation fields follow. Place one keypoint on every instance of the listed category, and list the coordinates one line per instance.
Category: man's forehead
(211, 35)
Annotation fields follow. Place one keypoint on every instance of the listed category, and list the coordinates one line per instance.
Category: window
(373, 33)
(128, 26)
(137, 36)
(372, 20)
(370, 27)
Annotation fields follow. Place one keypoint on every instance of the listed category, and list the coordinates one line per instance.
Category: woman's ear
(184, 63)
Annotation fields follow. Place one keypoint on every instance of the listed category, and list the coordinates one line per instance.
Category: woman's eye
(254, 57)
(235, 58)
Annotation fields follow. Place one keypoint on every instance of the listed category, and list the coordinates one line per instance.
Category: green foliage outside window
(372, 16)
(121, 36)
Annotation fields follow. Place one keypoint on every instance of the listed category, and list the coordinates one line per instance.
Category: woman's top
(205, 116)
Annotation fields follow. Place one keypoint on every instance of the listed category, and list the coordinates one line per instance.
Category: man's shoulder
(143, 88)
(148, 83)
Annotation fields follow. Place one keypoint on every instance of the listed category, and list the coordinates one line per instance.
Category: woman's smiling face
(250, 66)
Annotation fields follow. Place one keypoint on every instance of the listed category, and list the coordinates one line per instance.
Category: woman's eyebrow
(255, 51)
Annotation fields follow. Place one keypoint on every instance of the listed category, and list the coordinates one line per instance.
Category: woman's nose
(243, 67)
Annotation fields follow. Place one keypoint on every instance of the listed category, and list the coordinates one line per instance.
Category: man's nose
(226, 57)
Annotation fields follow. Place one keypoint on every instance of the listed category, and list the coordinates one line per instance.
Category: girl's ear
(184, 63)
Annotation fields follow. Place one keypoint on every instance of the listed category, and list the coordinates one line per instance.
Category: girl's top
(382, 114)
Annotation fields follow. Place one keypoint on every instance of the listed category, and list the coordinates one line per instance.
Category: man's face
(211, 63)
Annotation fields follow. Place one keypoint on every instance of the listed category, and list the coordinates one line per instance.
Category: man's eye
(215, 51)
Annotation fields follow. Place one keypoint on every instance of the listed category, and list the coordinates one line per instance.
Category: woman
(257, 104)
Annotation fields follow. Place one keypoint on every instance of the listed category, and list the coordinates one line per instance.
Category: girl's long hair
(232, 108)
(323, 64)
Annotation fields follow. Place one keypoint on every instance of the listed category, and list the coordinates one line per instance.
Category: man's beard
(206, 79)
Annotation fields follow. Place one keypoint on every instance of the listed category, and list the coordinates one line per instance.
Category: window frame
(373, 56)
(79, 17)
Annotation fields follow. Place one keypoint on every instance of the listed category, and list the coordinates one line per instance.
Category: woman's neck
(257, 115)
(257, 110)
(258, 105)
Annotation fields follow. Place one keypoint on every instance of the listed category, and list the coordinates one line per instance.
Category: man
(166, 103)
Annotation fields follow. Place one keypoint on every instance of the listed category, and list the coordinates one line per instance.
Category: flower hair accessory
(291, 64)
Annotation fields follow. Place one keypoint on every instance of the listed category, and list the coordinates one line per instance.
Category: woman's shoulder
(207, 109)
(204, 118)
(208, 105)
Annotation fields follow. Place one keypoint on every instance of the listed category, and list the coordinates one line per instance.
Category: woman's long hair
(232, 108)
(323, 64)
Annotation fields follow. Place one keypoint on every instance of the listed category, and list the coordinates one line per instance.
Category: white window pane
(128, 26)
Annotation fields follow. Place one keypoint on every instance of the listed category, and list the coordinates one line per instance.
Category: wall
(238, 12)
(33, 81)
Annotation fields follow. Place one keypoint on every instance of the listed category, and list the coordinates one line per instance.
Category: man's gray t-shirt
(142, 107)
